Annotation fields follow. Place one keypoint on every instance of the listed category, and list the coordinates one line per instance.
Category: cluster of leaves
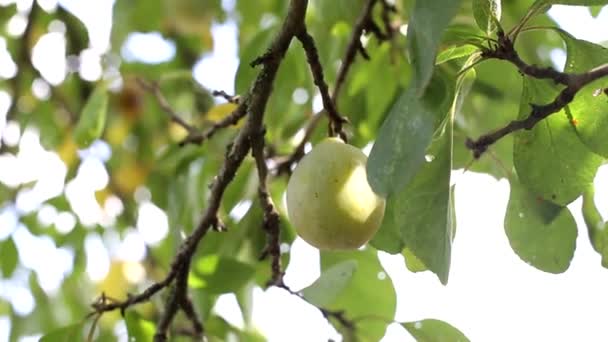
(418, 97)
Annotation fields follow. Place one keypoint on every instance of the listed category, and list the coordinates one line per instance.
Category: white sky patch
(304, 265)
(48, 5)
(149, 48)
(317, 103)
(227, 307)
(82, 199)
(90, 65)
(281, 316)
(8, 68)
(8, 221)
(48, 57)
(41, 89)
(5, 328)
(98, 260)
(132, 247)
(16, 25)
(601, 191)
(11, 133)
(240, 210)
(99, 149)
(56, 263)
(64, 222)
(578, 22)
(152, 223)
(21, 299)
(217, 70)
(97, 16)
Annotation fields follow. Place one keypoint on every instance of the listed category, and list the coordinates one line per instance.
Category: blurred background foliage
(129, 195)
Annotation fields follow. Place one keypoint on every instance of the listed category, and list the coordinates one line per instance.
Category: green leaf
(541, 233)
(330, 284)
(222, 274)
(405, 135)
(138, 328)
(454, 52)
(550, 159)
(92, 118)
(73, 332)
(419, 215)
(487, 14)
(370, 293)
(433, 330)
(596, 227)
(10, 257)
(589, 108)
(574, 2)
(428, 20)
(595, 10)
(412, 262)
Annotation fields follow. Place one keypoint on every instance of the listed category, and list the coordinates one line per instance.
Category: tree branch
(232, 119)
(254, 105)
(271, 216)
(573, 82)
(312, 55)
(230, 98)
(354, 45)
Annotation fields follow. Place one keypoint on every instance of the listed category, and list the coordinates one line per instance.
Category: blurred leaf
(405, 135)
(487, 13)
(370, 293)
(432, 330)
(454, 52)
(550, 159)
(330, 284)
(138, 328)
(428, 20)
(337, 10)
(222, 274)
(541, 233)
(92, 118)
(72, 332)
(587, 110)
(10, 257)
(574, 2)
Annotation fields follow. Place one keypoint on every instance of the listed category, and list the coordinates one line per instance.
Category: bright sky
(492, 295)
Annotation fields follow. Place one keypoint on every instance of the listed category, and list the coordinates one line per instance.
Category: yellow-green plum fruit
(329, 201)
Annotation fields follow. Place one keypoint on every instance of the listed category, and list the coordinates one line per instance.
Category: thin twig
(312, 55)
(354, 45)
(232, 119)
(338, 315)
(573, 82)
(505, 50)
(271, 216)
(230, 98)
(188, 308)
(154, 89)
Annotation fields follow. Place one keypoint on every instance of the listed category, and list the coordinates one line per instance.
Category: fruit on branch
(329, 201)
